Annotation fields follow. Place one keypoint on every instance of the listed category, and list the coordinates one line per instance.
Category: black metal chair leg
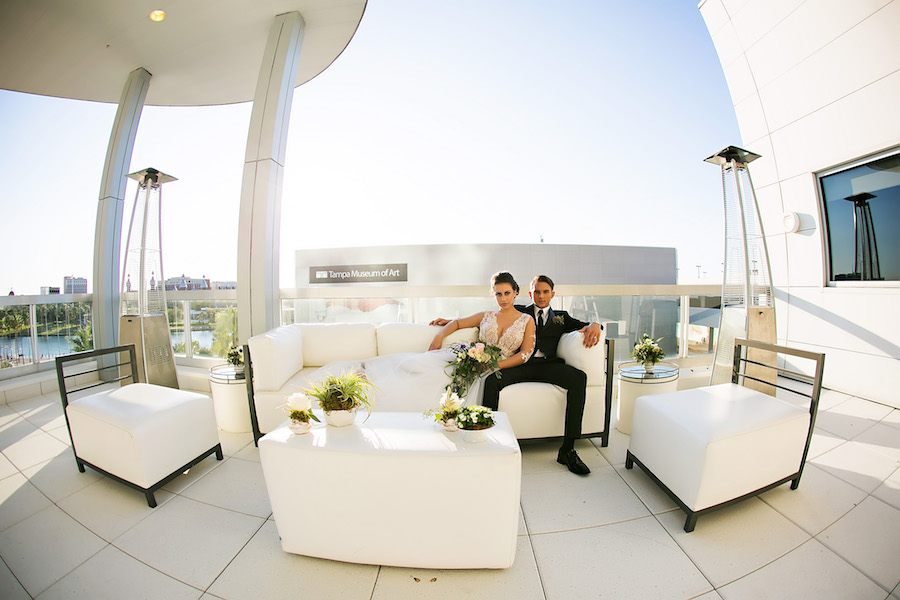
(690, 522)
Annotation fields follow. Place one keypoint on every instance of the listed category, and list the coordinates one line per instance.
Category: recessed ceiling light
(157, 15)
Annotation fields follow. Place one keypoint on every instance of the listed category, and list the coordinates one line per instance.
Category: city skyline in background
(458, 123)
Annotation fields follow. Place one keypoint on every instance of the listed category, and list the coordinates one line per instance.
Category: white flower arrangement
(475, 417)
(298, 407)
(449, 407)
(647, 350)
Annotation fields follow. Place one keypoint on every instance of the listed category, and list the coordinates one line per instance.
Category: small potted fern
(340, 396)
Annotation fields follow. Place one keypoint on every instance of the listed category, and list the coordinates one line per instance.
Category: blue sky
(452, 122)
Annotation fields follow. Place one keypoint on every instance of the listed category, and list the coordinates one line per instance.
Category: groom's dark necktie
(540, 322)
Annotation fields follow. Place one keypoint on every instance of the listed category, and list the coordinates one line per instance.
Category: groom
(544, 366)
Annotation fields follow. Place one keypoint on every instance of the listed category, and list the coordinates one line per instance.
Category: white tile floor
(64, 534)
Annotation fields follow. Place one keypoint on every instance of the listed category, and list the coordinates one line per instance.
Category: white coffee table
(396, 490)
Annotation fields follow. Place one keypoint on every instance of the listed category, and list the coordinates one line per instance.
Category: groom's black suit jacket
(558, 323)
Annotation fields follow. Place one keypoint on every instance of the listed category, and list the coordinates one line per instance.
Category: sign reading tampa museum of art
(359, 273)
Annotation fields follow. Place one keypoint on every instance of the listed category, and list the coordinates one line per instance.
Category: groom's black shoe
(571, 459)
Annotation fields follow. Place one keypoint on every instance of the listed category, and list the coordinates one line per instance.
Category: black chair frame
(740, 376)
(110, 372)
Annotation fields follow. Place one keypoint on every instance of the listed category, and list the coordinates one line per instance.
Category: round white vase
(475, 436)
(340, 418)
(299, 427)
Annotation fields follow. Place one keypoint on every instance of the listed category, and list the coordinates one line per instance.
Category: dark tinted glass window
(862, 213)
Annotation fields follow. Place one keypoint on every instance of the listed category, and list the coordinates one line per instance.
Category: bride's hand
(436, 342)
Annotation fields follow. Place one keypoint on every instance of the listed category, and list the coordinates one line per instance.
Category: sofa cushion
(467, 335)
(327, 342)
(412, 337)
(276, 355)
(393, 338)
(590, 360)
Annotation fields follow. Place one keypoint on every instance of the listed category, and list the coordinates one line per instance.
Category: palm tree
(82, 340)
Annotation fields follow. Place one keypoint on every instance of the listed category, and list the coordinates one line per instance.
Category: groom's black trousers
(544, 370)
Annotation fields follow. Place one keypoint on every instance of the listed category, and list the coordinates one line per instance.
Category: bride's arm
(473, 321)
(525, 350)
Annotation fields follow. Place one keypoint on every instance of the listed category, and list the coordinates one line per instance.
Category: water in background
(18, 350)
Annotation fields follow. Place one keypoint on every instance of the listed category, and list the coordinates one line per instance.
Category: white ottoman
(396, 490)
(143, 434)
(711, 445)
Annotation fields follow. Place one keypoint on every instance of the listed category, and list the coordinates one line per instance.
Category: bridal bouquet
(471, 361)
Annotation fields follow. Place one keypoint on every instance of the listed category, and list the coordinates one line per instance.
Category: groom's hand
(439, 322)
(591, 334)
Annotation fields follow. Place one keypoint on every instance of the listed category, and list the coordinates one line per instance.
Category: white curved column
(108, 230)
(259, 225)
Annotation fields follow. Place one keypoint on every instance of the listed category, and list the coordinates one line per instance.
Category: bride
(512, 331)
(416, 381)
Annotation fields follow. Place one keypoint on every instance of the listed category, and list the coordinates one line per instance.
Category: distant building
(224, 285)
(45, 290)
(74, 285)
(187, 283)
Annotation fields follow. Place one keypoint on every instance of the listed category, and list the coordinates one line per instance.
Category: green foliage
(475, 417)
(346, 391)
(225, 332)
(648, 350)
(82, 339)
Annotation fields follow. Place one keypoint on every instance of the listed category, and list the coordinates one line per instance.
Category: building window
(861, 205)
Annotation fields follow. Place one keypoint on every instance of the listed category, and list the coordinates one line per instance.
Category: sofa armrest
(590, 360)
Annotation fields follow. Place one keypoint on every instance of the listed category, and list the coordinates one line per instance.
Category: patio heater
(866, 266)
(748, 309)
(143, 321)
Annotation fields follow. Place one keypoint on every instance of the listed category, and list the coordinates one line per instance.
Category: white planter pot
(475, 436)
(299, 427)
(340, 418)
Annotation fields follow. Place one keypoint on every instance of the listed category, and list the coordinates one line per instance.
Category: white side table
(229, 394)
(634, 382)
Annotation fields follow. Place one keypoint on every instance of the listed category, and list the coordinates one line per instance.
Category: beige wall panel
(860, 124)
(752, 121)
(827, 76)
(846, 319)
(740, 80)
(759, 18)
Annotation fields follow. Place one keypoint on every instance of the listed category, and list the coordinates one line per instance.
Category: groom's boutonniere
(559, 319)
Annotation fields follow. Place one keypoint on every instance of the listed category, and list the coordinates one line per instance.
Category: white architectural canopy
(203, 52)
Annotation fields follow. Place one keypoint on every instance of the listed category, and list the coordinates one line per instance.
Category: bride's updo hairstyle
(504, 277)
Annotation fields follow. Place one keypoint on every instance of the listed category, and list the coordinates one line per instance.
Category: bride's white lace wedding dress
(415, 381)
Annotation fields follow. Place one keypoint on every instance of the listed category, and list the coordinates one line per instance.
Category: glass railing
(203, 324)
(37, 329)
(685, 317)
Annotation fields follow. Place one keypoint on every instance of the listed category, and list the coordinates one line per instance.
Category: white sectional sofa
(283, 360)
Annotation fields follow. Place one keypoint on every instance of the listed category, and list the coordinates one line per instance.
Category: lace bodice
(512, 338)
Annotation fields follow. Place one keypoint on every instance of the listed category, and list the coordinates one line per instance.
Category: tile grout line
(534, 557)
(236, 554)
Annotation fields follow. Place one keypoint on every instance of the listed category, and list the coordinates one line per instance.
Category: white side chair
(139, 434)
(710, 447)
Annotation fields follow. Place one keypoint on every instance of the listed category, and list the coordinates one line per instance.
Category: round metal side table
(229, 394)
